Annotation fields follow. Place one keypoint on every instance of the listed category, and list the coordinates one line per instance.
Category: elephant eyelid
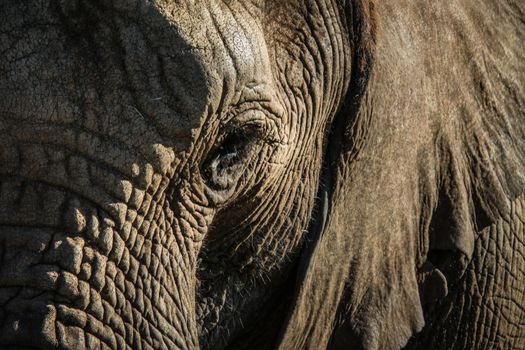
(255, 119)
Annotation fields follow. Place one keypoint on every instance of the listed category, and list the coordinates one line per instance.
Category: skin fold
(262, 174)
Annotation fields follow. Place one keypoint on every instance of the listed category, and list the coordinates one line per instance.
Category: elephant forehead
(191, 61)
(228, 43)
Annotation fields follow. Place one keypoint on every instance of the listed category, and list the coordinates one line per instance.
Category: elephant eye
(226, 164)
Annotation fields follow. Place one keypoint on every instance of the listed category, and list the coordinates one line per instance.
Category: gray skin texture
(262, 174)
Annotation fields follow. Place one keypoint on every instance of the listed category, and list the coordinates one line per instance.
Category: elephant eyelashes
(224, 167)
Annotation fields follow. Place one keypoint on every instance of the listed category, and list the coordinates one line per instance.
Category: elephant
(289, 174)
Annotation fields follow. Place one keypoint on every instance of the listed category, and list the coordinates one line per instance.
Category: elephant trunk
(91, 252)
(97, 248)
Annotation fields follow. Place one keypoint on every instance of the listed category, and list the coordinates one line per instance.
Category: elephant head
(184, 174)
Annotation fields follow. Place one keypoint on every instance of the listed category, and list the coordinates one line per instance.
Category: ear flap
(481, 138)
(400, 196)
(481, 153)
(357, 266)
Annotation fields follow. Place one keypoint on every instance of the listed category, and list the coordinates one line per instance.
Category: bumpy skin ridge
(486, 306)
(115, 288)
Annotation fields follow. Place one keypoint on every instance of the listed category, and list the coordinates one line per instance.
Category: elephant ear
(357, 285)
(412, 173)
(481, 137)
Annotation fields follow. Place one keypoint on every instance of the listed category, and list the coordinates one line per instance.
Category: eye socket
(225, 165)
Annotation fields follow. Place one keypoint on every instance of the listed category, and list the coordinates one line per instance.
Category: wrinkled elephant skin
(262, 174)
